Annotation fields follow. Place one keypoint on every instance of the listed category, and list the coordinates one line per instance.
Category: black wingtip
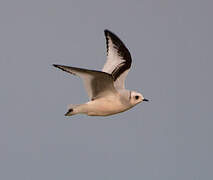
(55, 65)
(58, 66)
(106, 32)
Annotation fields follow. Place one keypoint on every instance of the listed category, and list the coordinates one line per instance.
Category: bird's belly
(106, 107)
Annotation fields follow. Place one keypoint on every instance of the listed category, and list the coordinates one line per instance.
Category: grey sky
(171, 45)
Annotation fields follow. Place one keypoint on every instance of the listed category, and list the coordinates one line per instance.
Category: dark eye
(136, 97)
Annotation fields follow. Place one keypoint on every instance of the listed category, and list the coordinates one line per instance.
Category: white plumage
(106, 88)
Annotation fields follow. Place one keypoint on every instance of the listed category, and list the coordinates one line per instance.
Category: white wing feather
(118, 60)
(97, 83)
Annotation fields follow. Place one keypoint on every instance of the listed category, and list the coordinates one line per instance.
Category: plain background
(169, 138)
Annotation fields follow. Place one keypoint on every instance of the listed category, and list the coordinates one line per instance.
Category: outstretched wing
(97, 83)
(118, 59)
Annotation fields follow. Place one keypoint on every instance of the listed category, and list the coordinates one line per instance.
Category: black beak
(145, 100)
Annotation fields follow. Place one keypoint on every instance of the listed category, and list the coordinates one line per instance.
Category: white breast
(106, 106)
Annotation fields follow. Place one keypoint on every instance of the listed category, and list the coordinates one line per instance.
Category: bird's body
(106, 88)
(104, 106)
(101, 107)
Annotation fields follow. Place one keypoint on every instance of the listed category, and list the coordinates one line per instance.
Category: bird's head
(136, 98)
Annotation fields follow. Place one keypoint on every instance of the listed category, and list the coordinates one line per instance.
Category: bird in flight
(106, 88)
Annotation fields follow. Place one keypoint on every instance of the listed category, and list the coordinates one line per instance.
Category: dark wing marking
(117, 50)
(97, 83)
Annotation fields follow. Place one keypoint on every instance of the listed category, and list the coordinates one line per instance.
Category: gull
(106, 88)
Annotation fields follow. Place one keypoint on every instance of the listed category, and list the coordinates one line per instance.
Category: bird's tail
(72, 110)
